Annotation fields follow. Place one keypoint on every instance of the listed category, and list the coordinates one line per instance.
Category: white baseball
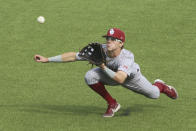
(41, 19)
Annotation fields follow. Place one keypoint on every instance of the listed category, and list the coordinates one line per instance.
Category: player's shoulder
(126, 57)
(127, 53)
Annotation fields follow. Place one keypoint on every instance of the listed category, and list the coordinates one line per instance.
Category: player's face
(113, 44)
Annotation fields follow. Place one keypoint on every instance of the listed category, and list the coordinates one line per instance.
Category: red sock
(160, 86)
(100, 89)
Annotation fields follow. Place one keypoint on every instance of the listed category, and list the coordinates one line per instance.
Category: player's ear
(121, 44)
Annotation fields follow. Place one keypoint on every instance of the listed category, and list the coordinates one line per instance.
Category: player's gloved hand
(39, 58)
(94, 53)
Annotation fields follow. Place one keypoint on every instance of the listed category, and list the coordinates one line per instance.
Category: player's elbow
(120, 77)
(121, 81)
(72, 56)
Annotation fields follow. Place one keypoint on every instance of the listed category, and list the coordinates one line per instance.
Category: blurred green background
(54, 97)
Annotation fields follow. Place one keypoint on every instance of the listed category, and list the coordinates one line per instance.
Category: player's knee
(155, 94)
(91, 77)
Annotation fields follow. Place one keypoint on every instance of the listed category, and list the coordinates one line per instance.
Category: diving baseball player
(119, 69)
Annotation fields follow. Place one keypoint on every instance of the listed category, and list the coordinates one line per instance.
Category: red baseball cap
(116, 33)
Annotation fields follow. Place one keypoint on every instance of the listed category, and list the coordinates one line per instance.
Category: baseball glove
(93, 53)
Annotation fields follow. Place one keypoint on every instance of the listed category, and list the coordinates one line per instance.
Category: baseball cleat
(112, 108)
(170, 91)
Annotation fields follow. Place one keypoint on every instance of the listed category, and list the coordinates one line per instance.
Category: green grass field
(54, 96)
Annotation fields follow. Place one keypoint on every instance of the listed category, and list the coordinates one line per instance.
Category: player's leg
(141, 85)
(96, 79)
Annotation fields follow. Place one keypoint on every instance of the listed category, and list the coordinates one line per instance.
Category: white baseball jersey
(123, 62)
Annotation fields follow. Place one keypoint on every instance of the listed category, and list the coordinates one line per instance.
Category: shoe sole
(171, 87)
(158, 80)
(117, 109)
(175, 91)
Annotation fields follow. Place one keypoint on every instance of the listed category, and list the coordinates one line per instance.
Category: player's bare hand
(39, 58)
(102, 66)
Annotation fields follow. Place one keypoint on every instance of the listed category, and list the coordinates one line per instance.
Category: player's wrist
(109, 72)
(47, 60)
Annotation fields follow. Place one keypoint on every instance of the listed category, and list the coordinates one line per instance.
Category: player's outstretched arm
(69, 57)
(66, 57)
